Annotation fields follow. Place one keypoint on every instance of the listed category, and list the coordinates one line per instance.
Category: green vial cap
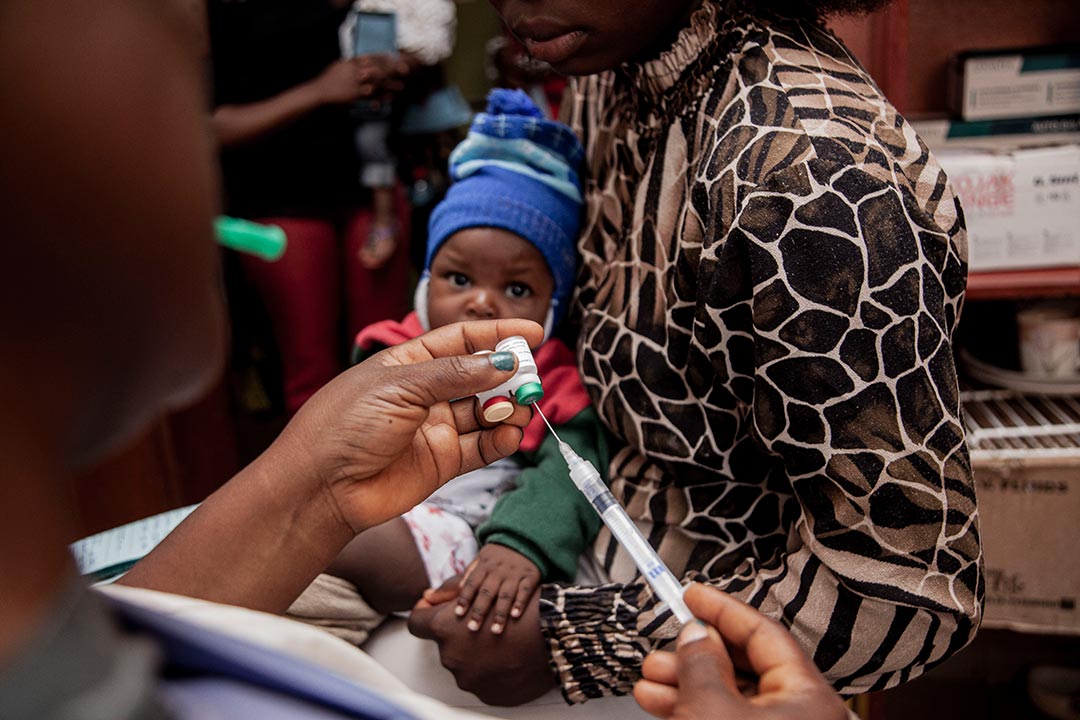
(529, 393)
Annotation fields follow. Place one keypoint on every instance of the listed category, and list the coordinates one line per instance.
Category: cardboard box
(1029, 513)
(941, 133)
(991, 84)
(1022, 207)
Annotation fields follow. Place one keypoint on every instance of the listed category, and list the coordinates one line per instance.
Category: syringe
(588, 481)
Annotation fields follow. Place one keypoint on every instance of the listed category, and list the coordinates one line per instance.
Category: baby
(501, 245)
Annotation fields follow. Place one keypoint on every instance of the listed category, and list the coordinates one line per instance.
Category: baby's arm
(536, 532)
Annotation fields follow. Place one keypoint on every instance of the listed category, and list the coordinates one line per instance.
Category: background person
(425, 31)
(282, 95)
(105, 332)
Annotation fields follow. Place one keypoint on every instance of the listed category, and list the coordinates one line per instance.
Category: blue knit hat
(516, 171)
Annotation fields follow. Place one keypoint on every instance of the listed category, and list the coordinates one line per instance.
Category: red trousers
(305, 291)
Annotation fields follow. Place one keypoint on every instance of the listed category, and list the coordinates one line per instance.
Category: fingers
(511, 596)
(526, 588)
(462, 339)
(486, 595)
(766, 644)
(381, 65)
(697, 679)
(703, 665)
(372, 79)
(482, 448)
(504, 601)
(448, 378)
(656, 698)
(444, 593)
(467, 416)
(470, 588)
(421, 622)
(661, 666)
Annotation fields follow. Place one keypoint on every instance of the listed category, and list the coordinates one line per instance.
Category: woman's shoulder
(796, 95)
(798, 75)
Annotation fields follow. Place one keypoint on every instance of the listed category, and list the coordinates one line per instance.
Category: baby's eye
(457, 279)
(518, 291)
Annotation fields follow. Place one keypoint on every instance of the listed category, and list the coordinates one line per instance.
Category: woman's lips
(555, 49)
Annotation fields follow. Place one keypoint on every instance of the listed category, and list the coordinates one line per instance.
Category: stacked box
(1030, 82)
(1022, 207)
(1025, 455)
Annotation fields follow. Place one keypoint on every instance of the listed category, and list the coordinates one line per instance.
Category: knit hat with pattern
(516, 171)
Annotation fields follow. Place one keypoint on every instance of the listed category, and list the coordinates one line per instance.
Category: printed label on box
(1022, 208)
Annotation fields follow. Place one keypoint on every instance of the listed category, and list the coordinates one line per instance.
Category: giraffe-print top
(772, 269)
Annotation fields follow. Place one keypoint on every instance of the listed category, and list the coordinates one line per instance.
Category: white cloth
(443, 526)
(472, 496)
(425, 28)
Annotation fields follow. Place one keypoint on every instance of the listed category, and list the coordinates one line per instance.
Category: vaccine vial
(524, 387)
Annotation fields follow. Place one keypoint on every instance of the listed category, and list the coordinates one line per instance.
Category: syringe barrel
(648, 562)
(626, 533)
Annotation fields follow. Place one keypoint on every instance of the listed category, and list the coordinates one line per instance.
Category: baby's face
(488, 273)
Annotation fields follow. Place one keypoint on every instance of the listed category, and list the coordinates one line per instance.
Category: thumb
(458, 376)
(705, 670)
(421, 622)
(446, 592)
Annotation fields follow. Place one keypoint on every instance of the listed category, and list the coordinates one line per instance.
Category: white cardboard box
(1022, 207)
(1000, 85)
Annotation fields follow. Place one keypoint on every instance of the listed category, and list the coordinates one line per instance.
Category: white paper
(127, 543)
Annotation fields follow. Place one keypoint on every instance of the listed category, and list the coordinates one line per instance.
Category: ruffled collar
(669, 83)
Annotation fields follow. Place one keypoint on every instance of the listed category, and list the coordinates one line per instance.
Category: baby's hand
(500, 574)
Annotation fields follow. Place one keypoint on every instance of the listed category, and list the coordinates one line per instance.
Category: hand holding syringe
(588, 481)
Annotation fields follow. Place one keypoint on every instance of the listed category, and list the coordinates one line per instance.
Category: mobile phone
(371, 33)
(374, 33)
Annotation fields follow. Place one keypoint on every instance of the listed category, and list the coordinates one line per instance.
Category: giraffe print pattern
(773, 266)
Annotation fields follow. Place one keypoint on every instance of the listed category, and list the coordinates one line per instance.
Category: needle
(537, 406)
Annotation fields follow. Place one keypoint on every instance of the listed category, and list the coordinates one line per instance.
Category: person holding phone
(281, 96)
(421, 32)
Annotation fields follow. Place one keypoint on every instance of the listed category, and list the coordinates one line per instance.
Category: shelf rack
(1007, 425)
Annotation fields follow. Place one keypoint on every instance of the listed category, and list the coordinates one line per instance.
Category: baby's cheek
(444, 311)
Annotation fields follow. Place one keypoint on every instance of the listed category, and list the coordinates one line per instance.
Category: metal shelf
(1006, 425)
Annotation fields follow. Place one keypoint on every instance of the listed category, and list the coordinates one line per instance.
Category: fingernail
(693, 632)
(516, 612)
(496, 628)
(502, 360)
(459, 611)
(473, 625)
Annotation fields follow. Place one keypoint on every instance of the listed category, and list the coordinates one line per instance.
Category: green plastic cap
(265, 241)
(529, 393)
